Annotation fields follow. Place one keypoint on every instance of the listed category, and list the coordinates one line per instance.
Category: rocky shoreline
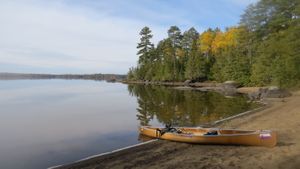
(228, 88)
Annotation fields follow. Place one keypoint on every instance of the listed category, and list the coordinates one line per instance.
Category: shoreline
(177, 83)
(215, 123)
(280, 115)
(105, 153)
(35, 76)
(228, 88)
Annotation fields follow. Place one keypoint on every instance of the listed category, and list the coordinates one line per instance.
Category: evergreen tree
(174, 34)
(168, 61)
(144, 52)
(186, 49)
(145, 45)
(188, 38)
(273, 24)
(195, 66)
(262, 50)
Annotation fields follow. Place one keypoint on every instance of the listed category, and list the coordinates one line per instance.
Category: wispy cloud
(64, 36)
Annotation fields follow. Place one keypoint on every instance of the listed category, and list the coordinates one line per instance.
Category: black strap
(158, 133)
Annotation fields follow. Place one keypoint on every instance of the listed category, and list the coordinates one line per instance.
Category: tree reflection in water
(184, 107)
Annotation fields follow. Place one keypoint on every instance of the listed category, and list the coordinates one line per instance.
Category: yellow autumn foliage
(206, 39)
(218, 42)
(230, 37)
(225, 40)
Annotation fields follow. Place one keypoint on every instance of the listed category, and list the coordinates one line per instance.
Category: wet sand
(283, 115)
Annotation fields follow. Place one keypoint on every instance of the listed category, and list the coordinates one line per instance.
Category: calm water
(50, 122)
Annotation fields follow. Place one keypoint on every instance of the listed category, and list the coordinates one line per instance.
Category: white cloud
(59, 36)
(95, 36)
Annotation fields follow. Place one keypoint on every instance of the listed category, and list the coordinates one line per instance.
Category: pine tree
(145, 45)
(195, 66)
(273, 24)
(188, 38)
(262, 50)
(174, 34)
(186, 49)
(144, 52)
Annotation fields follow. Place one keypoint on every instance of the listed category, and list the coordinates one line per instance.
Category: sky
(97, 36)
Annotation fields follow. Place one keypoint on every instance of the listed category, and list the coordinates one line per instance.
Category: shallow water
(51, 122)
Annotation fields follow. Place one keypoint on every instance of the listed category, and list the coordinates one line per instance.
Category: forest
(263, 49)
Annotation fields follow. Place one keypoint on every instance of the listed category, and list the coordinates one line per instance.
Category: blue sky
(97, 36)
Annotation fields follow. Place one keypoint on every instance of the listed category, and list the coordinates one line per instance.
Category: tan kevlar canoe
(213, 135)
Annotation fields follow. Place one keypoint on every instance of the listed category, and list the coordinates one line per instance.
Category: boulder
(258, 93)
(268, 92)
(229, 88)
(276, 92)
(231, 84)
(187, 82)
(229, 91)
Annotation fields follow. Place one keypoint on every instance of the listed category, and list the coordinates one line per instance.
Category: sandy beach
(283, 115)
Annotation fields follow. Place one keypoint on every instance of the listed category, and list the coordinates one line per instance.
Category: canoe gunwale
(266, 138)
(243, 132)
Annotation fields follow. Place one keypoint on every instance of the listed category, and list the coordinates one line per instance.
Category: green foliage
(263, 50)
(131, 75)
(278, 62)
(175, 36)
(145, 45)
(195, 66)
(275, 28)
(232, 65)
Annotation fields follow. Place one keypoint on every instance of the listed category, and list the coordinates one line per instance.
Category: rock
(187, 82)
(184, 88)
(273, 88)
(257, 94)
(205, 84)
(229, 91)
(229, 88)
(268, 92)
(276, 92)
(248, 90)
(231, 84)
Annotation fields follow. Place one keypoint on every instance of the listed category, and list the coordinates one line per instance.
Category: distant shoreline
(98, 76)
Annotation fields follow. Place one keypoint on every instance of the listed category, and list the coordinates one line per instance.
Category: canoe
(200, 135)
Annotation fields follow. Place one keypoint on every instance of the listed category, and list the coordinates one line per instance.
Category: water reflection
(182, 107)
(50, 122)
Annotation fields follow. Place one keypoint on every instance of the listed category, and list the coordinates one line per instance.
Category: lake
(50, 122)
